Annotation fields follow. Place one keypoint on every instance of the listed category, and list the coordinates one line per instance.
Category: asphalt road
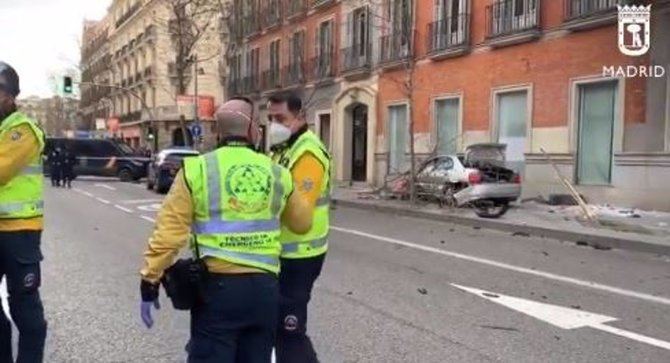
(385, 295)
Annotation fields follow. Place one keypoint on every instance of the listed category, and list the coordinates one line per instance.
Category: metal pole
(195, 98)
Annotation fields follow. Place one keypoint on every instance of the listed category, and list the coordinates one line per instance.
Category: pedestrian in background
(68, 160)
(21, 211)
(229, 203)
(297, 148)
(54, 162)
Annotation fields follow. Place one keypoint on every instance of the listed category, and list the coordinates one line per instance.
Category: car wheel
(150, 184)
(490, 209)
(125, 175)
(447, 198)
(160, 187)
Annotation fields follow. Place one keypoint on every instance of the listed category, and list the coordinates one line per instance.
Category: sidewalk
(622, 229)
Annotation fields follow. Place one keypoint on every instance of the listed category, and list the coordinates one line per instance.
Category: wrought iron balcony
(270, 79)
(294, 74)
(587, 14)
(317, 3)
(356, 58)
(395, 47)
(272, 13)
(250, 84)
(296, 8)
(448, 35)
(512, 22)
(234, 87)
(322, 66)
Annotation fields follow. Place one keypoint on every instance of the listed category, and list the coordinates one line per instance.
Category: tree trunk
(412, 155)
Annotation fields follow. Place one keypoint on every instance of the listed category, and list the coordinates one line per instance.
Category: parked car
(102, 157)
(164, 166)
(479, 179)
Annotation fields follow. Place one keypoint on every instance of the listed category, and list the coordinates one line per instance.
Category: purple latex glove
(145, 312)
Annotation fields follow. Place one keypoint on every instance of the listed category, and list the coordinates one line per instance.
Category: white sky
(39, 37)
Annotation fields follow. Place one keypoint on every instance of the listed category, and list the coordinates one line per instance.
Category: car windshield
(179, 156)
(126, 149)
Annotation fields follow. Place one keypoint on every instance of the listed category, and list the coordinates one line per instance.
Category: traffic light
(67, 85)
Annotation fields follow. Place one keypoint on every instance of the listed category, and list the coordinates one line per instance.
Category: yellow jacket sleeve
(172, 231)
(308, 173)
(297, 214)
(17, 148)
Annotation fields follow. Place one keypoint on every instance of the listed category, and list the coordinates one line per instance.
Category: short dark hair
(293, 102)
(242, 98)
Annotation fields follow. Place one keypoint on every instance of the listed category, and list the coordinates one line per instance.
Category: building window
(296, 58)
(356, 54)
(512, 16)
(324, 51)
(451, 26)
(447, 120)
(512, 126)
(396, 44)
(398, 136)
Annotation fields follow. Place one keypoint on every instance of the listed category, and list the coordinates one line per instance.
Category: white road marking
(564, 318)
(149, 219)
(506, 266)
(105, 186)
(3, 298)
(123, 208)
(140, 201)
(150, 208)
(80, 191)
(104, 201)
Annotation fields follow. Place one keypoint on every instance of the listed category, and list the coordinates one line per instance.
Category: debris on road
(521, 234)
(422, 291)
(498, 328)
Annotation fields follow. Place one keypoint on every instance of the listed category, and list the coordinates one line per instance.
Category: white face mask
(278, 133)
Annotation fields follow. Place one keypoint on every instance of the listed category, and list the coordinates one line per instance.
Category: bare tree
(190, 23)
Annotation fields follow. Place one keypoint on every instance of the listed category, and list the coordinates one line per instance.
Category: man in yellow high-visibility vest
(231, 204)
(302, 152)
(21, 210)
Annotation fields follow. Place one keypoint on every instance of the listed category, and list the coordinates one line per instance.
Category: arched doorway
(359, 143)
(178, 137)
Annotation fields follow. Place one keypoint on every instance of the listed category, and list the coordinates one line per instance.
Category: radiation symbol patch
(249, 188)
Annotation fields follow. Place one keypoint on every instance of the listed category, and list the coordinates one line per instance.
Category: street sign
(196, 130)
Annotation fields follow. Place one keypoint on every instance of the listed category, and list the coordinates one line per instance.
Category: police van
(101, 157)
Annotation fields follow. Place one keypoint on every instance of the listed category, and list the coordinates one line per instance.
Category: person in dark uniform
(54, 160)
(68, 160)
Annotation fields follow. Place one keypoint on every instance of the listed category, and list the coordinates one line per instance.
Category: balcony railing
(396, 47)
(317, 3)
(251, 25)
(296, 7)
(449, 33)
(133, 9)
(575, 9)
(272, 13)
(294, 74)
(270, 79)
(356, 58)
(322, 66)
(234, 87)
(132, 116)
(506, 17)
(250, 85)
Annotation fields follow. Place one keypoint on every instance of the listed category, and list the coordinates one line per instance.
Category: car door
(423, 177)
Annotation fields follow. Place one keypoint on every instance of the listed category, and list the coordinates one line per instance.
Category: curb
(596, 241)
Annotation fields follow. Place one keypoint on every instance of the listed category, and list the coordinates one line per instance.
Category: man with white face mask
(296, 147)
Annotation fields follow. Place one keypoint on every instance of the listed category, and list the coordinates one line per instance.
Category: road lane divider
(509, 267)
(120, 207)
(101, 185)
(103, 201)
(148, 219)
(81, 191)
(140, 201)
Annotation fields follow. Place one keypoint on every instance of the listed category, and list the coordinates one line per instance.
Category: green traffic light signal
(67, 85)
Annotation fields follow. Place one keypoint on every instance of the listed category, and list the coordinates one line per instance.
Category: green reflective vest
(314, 242)
(21, 198)
(238, 197)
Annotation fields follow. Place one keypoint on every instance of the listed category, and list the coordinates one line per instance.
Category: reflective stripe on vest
(292, 247)
(216, 225)
(9, 208)
(32, 170)
(215, 252)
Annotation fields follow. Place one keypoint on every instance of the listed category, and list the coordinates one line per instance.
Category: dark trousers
(296, 280)
(237, 321)
(20, 258)
(55, 171)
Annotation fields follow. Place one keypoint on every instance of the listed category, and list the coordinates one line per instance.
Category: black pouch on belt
(184, 281)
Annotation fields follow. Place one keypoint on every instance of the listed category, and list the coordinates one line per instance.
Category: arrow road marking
(150, 208)
(509, 267)
(148, 219)
(119, 207)
(100, 185)
(564, 318)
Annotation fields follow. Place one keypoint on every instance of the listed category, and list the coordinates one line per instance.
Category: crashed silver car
(478, 179)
